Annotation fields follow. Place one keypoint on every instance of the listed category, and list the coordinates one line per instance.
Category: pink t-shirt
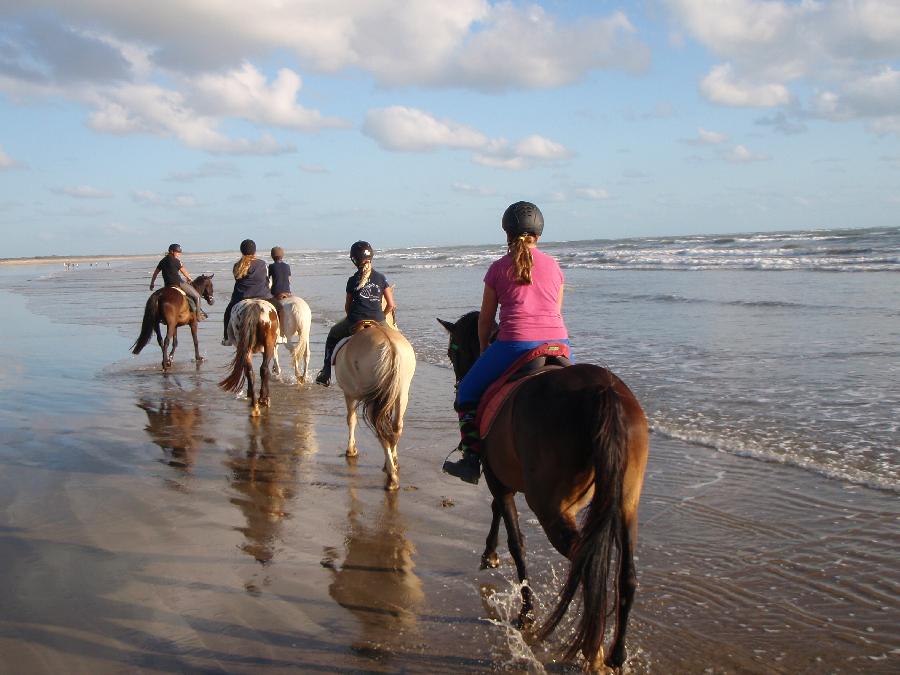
(528, 311)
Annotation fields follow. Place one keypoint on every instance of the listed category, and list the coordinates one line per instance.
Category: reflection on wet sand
(173, 426)
(375, 580)
(265, 478)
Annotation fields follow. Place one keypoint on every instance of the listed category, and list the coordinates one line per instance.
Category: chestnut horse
(570, 438)
(170, 305)
(375, 368)
(252, 328)
(297, 319)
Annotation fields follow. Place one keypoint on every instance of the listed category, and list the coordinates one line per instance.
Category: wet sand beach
(148, 524)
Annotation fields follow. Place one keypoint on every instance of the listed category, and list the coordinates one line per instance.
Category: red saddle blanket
(503, 387)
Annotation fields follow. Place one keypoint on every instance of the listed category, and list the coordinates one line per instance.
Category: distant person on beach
(364, 292)
(527, 285)
(250, 281)
(172, 270)
(279, 281)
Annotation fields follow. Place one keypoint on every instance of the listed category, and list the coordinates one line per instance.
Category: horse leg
(251, 385)
(167, 359)
(392, 482)
(197, 357)
(276, 365)
(268, 354)
(305, 342)
(490, 558)
(626, 590)
(174, 344)
(295, 358)
(351, 426)
(516, 543)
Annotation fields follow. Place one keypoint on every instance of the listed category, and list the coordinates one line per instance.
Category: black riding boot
(334, 336)
(467, 468)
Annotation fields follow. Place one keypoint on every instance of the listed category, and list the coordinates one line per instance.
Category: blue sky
(313, 123)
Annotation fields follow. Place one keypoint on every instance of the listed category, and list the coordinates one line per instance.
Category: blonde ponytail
(520, 250)
(365, 271)
(242, 266)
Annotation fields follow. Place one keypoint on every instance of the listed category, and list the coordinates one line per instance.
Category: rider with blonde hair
(527, 285)
(365, 290)
(250, 281)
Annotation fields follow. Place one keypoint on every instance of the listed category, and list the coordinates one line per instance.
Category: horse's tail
(151, 318)
(380, 402)
(602, 533)
(246, 341)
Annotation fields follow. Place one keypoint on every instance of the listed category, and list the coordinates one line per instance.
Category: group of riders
(525, 284)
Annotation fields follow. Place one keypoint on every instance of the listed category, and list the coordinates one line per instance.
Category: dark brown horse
(253, 327)
(170, 306)
(569, 439)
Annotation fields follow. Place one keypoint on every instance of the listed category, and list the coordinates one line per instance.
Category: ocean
(147, 523)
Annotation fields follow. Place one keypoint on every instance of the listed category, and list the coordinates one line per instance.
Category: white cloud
(412, 130)
(720, 86)
(739, 154)
(176, 201)
(205, 170)
(83, 192)
(244, 93)
(7, 162)
(313, 168)
(403, 129)
(840, 48)
(468, 43)
(477, 190)
(706, 137)
(596, 194)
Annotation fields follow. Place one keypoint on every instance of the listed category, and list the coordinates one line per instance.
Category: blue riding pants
(492, 363)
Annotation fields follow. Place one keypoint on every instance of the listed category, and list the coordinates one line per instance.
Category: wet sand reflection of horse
(264, 481)
(374, 369)
(253, 327)
(376, 579)
(170, 305)
(174, 427)
(571, 439)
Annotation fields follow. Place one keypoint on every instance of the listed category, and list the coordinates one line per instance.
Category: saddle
(542, 359)
(354, 329)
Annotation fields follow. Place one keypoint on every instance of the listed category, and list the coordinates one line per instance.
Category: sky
(126, 126)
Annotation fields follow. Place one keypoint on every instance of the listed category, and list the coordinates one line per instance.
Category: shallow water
(148, 523)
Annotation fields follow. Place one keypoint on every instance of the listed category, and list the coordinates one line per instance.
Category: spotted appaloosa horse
(375, 368)
(170, 305)
(252, 328)
(569, 439)
(297, 320)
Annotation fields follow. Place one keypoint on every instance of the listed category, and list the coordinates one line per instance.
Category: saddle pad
(495, 395)
(179, 289)
(338, 347)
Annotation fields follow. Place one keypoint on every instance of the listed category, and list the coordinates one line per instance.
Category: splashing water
(505, 605)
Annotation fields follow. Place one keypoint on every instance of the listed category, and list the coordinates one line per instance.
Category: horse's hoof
(525, 620)
(392, 484)
(200, 359)
(265, 402)
(491, 561)
(255, 411)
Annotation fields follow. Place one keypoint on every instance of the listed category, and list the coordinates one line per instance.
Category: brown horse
(253, 327)
(170, 305)
(570, 439)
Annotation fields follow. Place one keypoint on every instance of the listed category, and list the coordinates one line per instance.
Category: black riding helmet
(248, 247)
(360, 252)
(523, 218)
(174, 248)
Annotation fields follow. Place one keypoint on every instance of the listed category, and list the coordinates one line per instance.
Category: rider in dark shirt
(172, 270)
(250, 281)
(365, 290)
(280, 280)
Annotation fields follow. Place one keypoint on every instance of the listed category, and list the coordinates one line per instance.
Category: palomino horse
(375, 368)
(569, 439)
(170, 305)
(297, 319)
(252, 328)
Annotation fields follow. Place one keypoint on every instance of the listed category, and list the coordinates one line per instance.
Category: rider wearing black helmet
(365, 290)
(527, 286)
(250, 280)
(172, 270)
